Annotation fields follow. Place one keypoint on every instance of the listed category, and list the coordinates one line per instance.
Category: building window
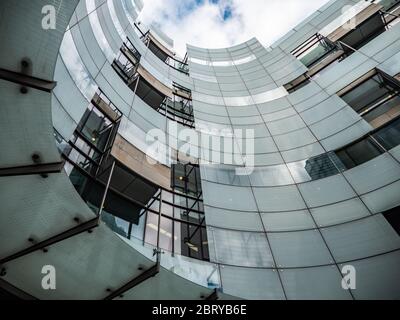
(393, 217)
(359, 153)
(389, 135)
(363, 33)
(127, 62)
(376, 98)
(162, 52)
(185, 179)
(314, 50)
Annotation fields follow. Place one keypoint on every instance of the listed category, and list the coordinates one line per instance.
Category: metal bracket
(86, 226)
(213, 296)
(40, 168)
(149, 273)
(29, 81)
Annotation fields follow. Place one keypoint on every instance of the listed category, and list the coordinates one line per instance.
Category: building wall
(277, 233)
(276, 224)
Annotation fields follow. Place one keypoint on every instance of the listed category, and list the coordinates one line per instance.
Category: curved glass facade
(254, 172)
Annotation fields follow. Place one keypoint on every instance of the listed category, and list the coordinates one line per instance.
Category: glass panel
(378, 277)
(250, 283)
(312, 283)
(287, 221)
(248, 249)
(316, 50)
(360, 239)
(340, 212)
(326, 191)
(299, 249)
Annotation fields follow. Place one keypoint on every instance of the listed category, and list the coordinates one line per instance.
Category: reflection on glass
(76, 67)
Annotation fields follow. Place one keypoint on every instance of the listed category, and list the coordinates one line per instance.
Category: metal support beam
(149, 273)
(213, 296)
(40, 168)
(29, 81)
(86, 226)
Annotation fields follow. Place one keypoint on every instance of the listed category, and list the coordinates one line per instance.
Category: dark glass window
(358, 153)
(127, 62)
(376, 99)
(95, 127)
(149, 94)
(364, 33)
(393, 217)
(186, 178)
(389, 136)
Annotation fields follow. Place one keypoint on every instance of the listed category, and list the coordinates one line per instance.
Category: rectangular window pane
(358, 153)
(389, 136)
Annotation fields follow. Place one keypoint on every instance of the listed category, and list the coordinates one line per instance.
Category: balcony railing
(180, 65)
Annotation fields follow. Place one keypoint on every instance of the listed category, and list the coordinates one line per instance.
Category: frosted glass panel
(384, 198)
(326, 191)
(248, 249)
(251, 283)
(340, 212)
(225, 196)
(285, 198)
(360, 239)
(374, 174)
(288, 221)
(238, 220)
(378, 277)
(299, 249)
(312, 283)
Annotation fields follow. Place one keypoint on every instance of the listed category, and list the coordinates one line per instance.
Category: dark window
(186, 178)
(149, 94)
(127, 62)
(393, 217)
(376, 99)
(364, 33)
(358, 153)
(95, 127)
(389, 136)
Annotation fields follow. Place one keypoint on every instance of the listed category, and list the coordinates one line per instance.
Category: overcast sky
(223, 23)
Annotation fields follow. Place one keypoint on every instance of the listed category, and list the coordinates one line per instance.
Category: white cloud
(202, 25)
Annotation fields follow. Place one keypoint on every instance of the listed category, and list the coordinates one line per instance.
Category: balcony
(162, 52)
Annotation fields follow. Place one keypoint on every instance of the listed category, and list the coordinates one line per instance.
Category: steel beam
(26, 80)
(85, 226)
(40, 168)
(149, 273)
